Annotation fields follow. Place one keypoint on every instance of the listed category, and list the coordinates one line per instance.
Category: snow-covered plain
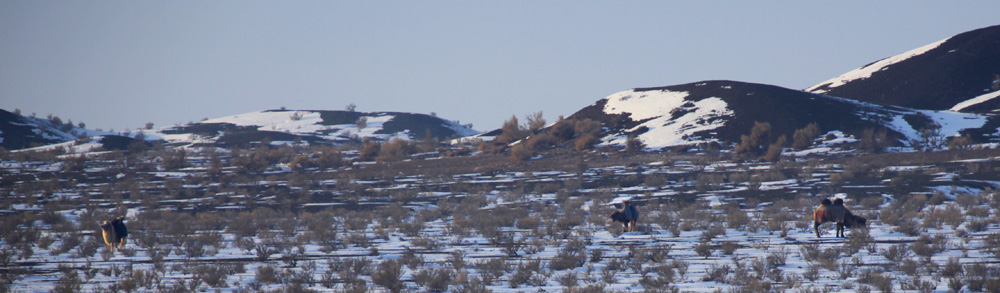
(705, 226)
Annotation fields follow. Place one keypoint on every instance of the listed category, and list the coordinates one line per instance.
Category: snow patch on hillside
(310, 123)
(975, 101)
(951, 123)
(275, 121)
(656, 109)
(867, 71)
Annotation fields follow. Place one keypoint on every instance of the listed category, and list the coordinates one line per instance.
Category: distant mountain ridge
(953, 83)
(18, 132)
(312, 126)
(960, 73)
(723, 111)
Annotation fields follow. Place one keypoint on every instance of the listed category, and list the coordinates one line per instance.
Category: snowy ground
(705, 226)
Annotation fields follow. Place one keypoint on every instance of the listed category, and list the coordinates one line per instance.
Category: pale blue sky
(120, 64)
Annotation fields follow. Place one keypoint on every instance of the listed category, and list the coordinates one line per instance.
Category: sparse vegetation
(283, 209)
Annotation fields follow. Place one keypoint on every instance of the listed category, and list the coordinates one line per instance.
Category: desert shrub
(293, 252)
(69, 281)
(774, 150)
(753, 143)
(633, 144)
(803, 138)
(857, 239)
(249, 162)
(528, 223)
(949, 214)
(567, 279)
(930, 136)
(267, 274)
(434, 279)
(658, 253)
(712, 232)
(464, 283)
(533, 122)
(874, 141)
(541, 141)
(322, 230)
(960, 143)
(927, 246)
(88, 247)
(21, 234)
(457, 260)
(586, 142)
(978, 225)
(955, 284)
(608, 276)
(825, 257)
(569, 220)
(174, 159)
(139, 279)
(778, 257)
(977, 275)
(492, 269)
(351, 269)
(411, 259)
(880, 281)
(952, 268)
(991, 243)
(215, 275)
(191, 247)
(716, 273)
(587, 126)
(300, 163)
(703, 249)
(370, 150)
(681, 267)
(969, 200)
(661, 280)
(524, 271)
(737, 219)
(978, 211)
(511, 131)
(520, 153)
(572, 255)
(388, 275)
(896, 253)
(329, 158)
(811, 273)
(845, 270)
(729, 247)
(908, 227)
(615, 264)
(919, 285)
(908, 266)
(563, 129)
(395, 150)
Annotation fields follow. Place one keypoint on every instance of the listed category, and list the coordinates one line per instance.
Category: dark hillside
(963, 67)
(329, 128)
(19, 132)
(785, 109)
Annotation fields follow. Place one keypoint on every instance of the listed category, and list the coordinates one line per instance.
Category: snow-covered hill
(20, 132)
(959, 73)
(322, 127)
(724, 110)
